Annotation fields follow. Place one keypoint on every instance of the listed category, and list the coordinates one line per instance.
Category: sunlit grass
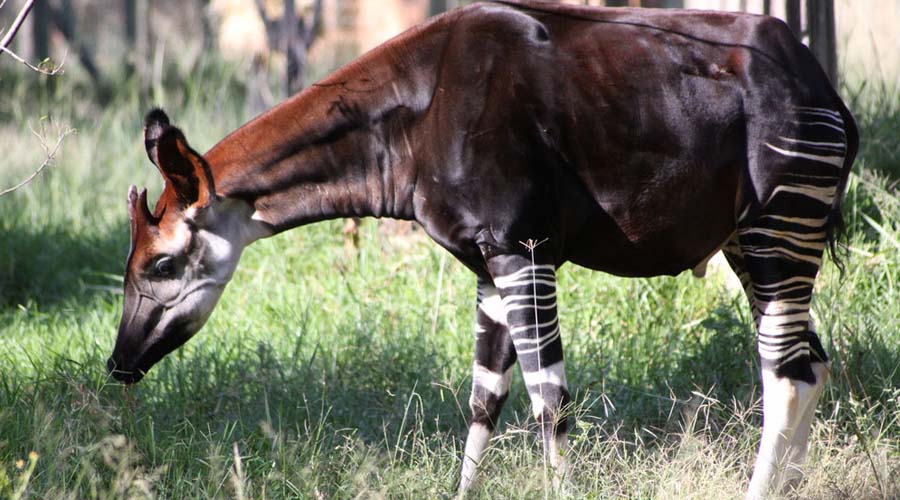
(328, 373)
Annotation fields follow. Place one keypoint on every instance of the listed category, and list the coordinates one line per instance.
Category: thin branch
(261, 8)
(20, 18)
(49, 72)
(50, 155)
(270, 24)
(7, 39)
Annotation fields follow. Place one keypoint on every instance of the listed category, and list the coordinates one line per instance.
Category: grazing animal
(635, 142)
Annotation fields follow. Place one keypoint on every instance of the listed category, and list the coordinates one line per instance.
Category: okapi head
(182, 254)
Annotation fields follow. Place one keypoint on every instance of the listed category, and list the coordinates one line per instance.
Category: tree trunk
(206, 25)
(40, 31)
(662, 4)
(820, 22)
(137, 41)
(436, 7)
(293, 48)
(129, 12)
(64, 19)
(792, 16)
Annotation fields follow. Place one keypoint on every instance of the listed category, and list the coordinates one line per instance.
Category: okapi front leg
(528, 291)
(491, 372)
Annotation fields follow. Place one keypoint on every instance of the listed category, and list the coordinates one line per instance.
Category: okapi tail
(835, 228)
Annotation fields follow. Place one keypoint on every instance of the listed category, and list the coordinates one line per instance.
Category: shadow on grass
(46, 265)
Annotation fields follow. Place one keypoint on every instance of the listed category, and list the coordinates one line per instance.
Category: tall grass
(328, 373)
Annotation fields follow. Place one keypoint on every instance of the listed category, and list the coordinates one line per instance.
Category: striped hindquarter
(776, 252)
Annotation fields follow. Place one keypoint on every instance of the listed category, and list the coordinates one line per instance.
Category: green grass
(328, 373)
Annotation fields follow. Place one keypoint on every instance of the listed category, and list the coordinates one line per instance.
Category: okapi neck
(341, 148)
(331, 162)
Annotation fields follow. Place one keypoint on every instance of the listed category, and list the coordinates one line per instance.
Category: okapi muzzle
(182, 255)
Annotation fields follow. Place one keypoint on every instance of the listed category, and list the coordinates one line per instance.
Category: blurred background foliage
(157, 51)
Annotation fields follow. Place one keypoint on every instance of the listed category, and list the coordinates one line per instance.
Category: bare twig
(17, 23)
(13, 29)
(49, 153)
(54, 70)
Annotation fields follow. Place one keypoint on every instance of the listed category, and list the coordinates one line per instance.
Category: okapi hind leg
(528, 291)
(799, 443)
(495, 357)
(792, 359)
(799, 159)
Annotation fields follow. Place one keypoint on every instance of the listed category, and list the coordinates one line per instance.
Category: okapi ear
(182, 167)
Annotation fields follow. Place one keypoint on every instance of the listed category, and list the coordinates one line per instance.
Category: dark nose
(124, 376)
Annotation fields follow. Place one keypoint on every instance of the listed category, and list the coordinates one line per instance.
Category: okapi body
(635, 142)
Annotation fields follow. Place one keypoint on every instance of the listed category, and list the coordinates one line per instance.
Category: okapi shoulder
(500, 19)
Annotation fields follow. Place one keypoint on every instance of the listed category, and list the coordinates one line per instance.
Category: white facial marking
(194, 293)
(220, 248)
(179, 240)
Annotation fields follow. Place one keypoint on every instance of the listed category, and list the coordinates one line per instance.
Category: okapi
(635, 142)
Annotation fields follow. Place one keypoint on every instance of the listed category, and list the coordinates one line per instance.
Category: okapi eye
(164, 267)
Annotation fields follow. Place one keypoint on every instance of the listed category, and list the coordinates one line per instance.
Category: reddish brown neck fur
(343, 147)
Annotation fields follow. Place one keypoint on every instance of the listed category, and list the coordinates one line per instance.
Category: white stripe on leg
(496, 383)
(554, 374)
(492, 306)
